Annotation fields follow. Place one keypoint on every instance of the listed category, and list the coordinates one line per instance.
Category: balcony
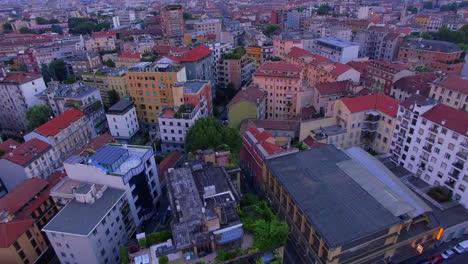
(425, 158)
(450, 183)
(434, 130)
(430, 139)
(462, 155)
(458, 165)
(404, 125)
(464, 144)
(407, 116)
(368, 126)
(428, 148)
(372, 117)
(454, 174)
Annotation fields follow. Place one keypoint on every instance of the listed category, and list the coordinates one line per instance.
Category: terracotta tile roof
(169, 162)
(278, 69)
(298, 52)
(332, 87)
(359, 66)
(312, 143)
(364, 91)
(262, 137)
(8, 145)
(17, 198)
(417, 99)
(194, 54)
(340, 68)
(419, 82)
(449, 117)
(20, 77)
(27, 152)
(104, 34)
(56, 177)
(455, 83)
(392, 65)
(290, 125)
(55, 125)
(165, 49)
(11, 231)
(250, 94)
(130, 55)
(317, 60)
(381, 102)
(168, 113)
(97, 143)
(308, 111)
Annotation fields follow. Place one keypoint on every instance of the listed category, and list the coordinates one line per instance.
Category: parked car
(436, 259)
(447, 254)
(461, 247)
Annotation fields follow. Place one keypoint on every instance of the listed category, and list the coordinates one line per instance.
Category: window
(58, 244)
(33, 242)
(447, 156)
(28, 234)
(103, 251)
(63, 254)
(107, 231)
(21, 254)
(16, 245)
(38, 251)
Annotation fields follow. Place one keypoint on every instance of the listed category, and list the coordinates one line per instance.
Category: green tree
(270, 235)
(58, 70)
(37, 115)
(208, 133)
(163, 260)
(188, 16)
(412, 9)
(109, 63)
(70, 80)
(428, 5)
(114, 97)
(57, 29)
(230, 90)
(270, 30)
(300, 145)
(158, 237)
(324, 9)
(23, 67)
(124, 255)
(26, 30)
(41, 21)
(45, 71)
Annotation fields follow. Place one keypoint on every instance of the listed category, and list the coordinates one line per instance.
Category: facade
(66, 133)
(415, 84)
(101, 41)
(83, 62)
(107, 79)
(151, 87)
(127, 59)
(173, 23)
(92, 227)
(131, 169)
(383, 74)
(451, 91)
(431, 142)
(34, 158)
(27, 57)
(288, 181)
(335, 49)
(122, 120)
(283, 84)
(235, 67)
(324, 95)
(63, 97)
(218, 50)
(435, 55)
(367, 121)
(213, 26)
(247, 103)
(18, 93)
(24, 211)
(205, 204)
(378, 43)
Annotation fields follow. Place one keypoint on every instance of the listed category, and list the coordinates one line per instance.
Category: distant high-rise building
(173, 24)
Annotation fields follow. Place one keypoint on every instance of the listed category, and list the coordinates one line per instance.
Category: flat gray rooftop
(121, 106)
(337, 42)
(337, 206)
(81, 219)
(194, 86)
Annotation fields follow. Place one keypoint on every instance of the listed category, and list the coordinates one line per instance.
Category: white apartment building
(92, 227)
(66, 133)
(122, 120)
(431, 141)
(125, 167)
(335, 49)
(174, 124)
(34, 158)
(17, 93)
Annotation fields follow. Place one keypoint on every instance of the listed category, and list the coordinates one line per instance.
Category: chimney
(443, 122)
(417, 92)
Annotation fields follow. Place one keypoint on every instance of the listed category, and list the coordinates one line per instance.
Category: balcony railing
(425, 158)
(462, 155)
(430, 139)
(454, 174)
(433, 130)
(427, 148)
(450, 184)
(458, 165)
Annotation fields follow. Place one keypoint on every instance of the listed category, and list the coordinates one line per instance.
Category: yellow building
(452, 91)
(23, 213)
(422, 20)
(367, 121)
(255, 53)
(346, 207)
(153, 87)
(108, 79)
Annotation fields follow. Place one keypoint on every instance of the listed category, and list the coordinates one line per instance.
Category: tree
(163, 260)
(58, 70)
(270, 30)
(41, 21)
(109, 63)
(45, 71)
(428, 5)
(412, 9)
(230, 90)
(70, 80)
(324, 9)
(26, 30)
(208, 133)
(23, 67)
(114, 97)
(57, 29)
(37, 115)
(188, 16)
(270, 235)
(124, 255)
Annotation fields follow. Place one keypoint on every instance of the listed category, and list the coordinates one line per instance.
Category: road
(458, 259)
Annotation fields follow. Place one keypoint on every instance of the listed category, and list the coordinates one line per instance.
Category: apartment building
(27, 57)
(172, 19)
(151, 87)
(451, 91)
(283, 84)
(218, 50)
(235, 67)
(378, 43)
(18, 93)
(431, 141)
(359, 225)
(367, 121)
(23, 212)
(62, 97)
(213, 26)
(129, 168)
(384, 74)
(107, 79)
(335, 49)
(435, 55)
(66, 133)
(248, 103)
(92, 227)
(101, 41)
(325, 94)
(82, 62)
(127, 59)
(123, 121)
(34, 158)
(415, 84)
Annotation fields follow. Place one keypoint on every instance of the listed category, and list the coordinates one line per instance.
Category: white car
(447, 254)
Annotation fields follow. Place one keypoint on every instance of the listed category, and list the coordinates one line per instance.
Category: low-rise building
(435, 55)
(101, 41)
(335, 49)
(204, 203)
(451, 91)
(415, 84)
(124, 167)
(18, 93)
(82, 62)
(383, 74)
(127, 59)
(23, 212)
(248, 103)
(359, 211)
(431, 141)
(108, 79)
(93, 226)
(122, 120)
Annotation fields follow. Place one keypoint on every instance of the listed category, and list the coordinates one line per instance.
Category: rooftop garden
(235, 54)
(440, 194)
(173, 7)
